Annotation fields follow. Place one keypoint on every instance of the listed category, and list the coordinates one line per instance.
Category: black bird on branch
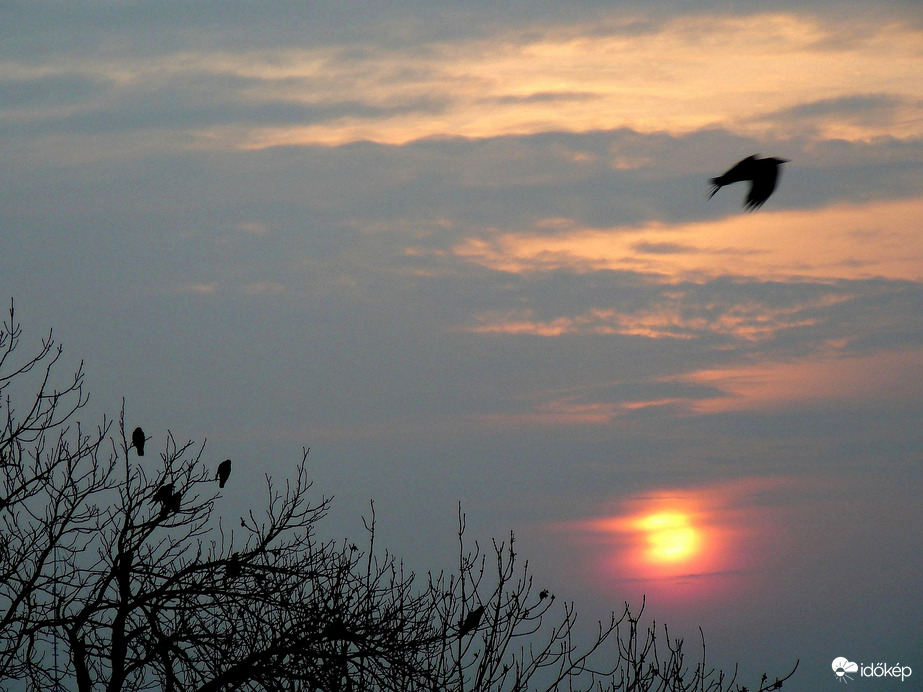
(137, 441)
(233, 569)
(471, 621)
(163, 494)
(224, 471)
(762, 174)
(172, 505)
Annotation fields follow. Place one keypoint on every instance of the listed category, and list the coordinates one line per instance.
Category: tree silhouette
(102, 590)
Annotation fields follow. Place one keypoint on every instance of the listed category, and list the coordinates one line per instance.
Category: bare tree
(121, 577)
(51, 470)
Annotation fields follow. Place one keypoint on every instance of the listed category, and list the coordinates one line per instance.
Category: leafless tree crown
(120, 576)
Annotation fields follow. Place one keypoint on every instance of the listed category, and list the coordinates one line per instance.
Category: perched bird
(224, 471)
(471, 621)
(543, 594)
(173, 504)
(232, 569)
(163, 494)
(137, 441)
(762, 174)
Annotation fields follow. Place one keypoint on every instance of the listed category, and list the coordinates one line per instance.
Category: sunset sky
(464, 253)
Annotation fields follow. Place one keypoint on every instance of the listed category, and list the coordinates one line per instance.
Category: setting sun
(670, 537)
(681, 545)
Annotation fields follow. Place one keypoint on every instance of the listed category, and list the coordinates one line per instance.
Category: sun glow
(671, 537)
(684, 544)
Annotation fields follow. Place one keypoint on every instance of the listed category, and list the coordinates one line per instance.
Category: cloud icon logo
(841, 666)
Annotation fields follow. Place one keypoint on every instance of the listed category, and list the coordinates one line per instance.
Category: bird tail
(220, 482)
(715, 186)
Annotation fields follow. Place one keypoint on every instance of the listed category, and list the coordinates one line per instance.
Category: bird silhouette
(232, 569)
(137, 441)
(224, 471)
(471, 621)
(762, 174)
(163, 494)
(173, 504)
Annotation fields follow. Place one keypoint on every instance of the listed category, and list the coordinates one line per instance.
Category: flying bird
(137, 441)
(224, 471)
(471, 621)
(762, 174)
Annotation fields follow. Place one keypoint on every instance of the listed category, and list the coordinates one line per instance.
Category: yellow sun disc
(670, 536)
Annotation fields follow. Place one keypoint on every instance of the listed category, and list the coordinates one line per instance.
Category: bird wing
(742, 170)
(761, 188)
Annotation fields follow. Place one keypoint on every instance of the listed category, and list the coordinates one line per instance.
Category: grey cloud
(664, 248)
(860, 105)
(50, 91)
(544, 97)
(370, 202)
(169, 110)
(809, 119)
(80, 104)
(42, 29)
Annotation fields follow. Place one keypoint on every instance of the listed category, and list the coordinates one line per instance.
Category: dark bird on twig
(471, 621)
(224, 471)
(163, 494)
(233, 569)
(762, 174)
(173, 504)
(543, 594)
(137, 441)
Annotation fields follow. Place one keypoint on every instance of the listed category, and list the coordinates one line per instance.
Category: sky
(465, 254)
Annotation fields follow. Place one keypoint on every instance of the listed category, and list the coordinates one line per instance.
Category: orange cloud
(688, 73)
(886, 376)
(670, 318)
(846, 241)
(883, 377)
(743, 73)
